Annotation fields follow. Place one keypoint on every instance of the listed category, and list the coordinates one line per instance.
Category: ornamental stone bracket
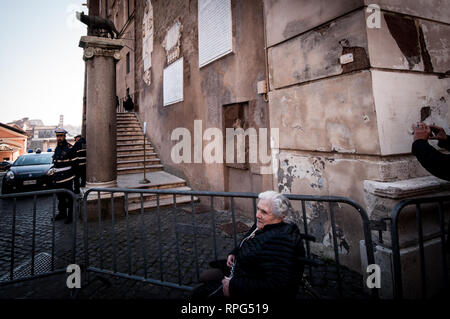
(97, 46)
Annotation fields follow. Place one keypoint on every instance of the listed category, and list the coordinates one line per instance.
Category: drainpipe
(265, 54)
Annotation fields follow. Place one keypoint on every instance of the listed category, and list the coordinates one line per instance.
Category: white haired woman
(268, 261)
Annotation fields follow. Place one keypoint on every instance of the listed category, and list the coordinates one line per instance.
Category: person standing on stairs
(128, 105)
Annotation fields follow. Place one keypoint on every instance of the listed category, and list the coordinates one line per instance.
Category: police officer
(63, 174)
(80, 167)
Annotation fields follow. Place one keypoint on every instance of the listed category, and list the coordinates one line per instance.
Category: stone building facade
(13, 142)
(342, 81)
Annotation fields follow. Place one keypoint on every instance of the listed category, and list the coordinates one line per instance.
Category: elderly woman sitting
(266, 263)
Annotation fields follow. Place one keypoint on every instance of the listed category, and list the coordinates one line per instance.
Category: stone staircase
(130, 166)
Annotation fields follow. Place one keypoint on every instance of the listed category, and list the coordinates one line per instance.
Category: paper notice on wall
(173, 83)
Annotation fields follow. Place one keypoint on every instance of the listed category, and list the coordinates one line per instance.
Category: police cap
(60, 130)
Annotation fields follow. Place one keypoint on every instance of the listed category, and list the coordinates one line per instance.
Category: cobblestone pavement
(145, 244)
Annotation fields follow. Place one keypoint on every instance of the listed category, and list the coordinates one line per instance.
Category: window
(214, 30)
(128, 62)
(173, 83)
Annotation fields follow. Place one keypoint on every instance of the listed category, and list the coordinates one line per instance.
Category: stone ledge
(99, 42)
(406, 188)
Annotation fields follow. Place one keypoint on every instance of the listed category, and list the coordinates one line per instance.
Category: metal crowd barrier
(331, 200)
(398, 209)
(11, 278)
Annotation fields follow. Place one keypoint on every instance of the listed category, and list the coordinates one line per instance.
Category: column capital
(98, 46)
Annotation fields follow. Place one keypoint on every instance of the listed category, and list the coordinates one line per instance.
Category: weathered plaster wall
(126, 80)
(343, 124)
(314, 55)
(438, 10)
(332, 115)
(407, 43)
(231, 79)
(288, 18)
(124, 23)
(398, 106)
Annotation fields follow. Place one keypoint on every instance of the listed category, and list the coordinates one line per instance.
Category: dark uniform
(80, 164)
(431, 159)
(63, 176)
(128, 104)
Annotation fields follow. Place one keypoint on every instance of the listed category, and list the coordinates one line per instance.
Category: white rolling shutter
(214, 30)
(173, 83)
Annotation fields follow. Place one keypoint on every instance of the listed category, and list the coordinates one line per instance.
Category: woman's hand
(226, 286)
(421, 132)
(231, 259)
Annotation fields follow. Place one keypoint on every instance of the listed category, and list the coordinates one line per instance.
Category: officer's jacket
(63, 161)
(80, 148)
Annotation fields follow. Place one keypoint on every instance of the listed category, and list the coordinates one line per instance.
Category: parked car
(29, 172)
(4, 166)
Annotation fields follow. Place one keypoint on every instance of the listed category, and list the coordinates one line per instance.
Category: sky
(41, 65)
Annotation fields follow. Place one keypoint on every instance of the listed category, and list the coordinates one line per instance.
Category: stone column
(83, 119)
(101, 55)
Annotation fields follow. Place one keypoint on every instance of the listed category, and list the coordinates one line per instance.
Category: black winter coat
(431, 159)
(268, 265)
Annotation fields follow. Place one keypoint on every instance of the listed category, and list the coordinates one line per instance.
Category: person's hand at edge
(226, 287)
(230, 260)
(439, 133)
(421, 132)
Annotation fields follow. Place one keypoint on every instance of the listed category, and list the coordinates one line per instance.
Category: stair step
(137, 156)
(122, 146)
(125, 116)
(139, 169)
(136, 198)
(130, 134)
(133, 151)
(127, 121)
(162, 203)
(129, 129)
(138, 163)
(131, 118)
(128, 125)
(134, 139)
